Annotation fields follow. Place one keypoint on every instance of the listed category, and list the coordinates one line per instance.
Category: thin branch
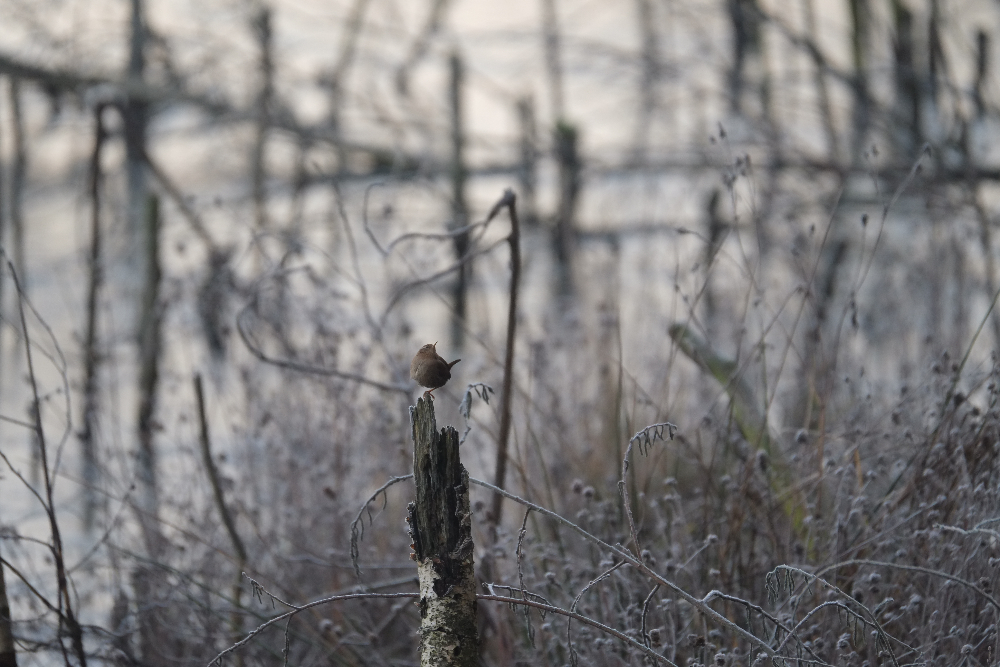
(915, 568)
(213, 474)
(254, 349)
(468, 257)
(411, 236)
(217, 660)
(356, 533)
(174, 192)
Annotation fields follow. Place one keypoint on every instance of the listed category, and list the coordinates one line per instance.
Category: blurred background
(769, 222)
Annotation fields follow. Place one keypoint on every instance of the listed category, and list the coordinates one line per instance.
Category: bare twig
(205, 440)
(174, 192)
(254, 348)
(468, 257)
(572, 609)
(217, 660)
(358, 525)
(90, 353)
(213, 473)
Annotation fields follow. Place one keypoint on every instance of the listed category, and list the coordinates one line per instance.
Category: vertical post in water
(441, 526)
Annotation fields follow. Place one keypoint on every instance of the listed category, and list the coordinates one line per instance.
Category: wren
(429, 370)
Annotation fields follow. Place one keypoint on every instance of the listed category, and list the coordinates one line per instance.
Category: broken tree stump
(441, 526)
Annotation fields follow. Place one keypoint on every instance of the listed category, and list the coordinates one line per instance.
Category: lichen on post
(441, 526)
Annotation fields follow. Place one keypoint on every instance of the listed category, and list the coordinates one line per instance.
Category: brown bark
(441, 526)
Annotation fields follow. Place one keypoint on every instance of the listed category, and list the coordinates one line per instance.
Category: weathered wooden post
(441, 526)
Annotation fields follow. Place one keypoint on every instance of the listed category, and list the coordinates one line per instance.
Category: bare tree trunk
(822, 90)
(157, 645)
(907, 121)
(935, 271)
(986, 241)
(715, 235)
(553, 64)
(860, 21)
(528, 173)
(982, 71)
(420, 45)
(564, 233)
(299, 182)
(982, 74)
(8, 653)
(649, 56)
(262, 29)
(960, 312)
(135, 116)
(3, 244)
(441, 526)
(937, 66)
(148, 581)
(149, 367)
(751, 72)
(18, 175)
(337, 79)
(745, 18)
(91, 470)
(459, 205)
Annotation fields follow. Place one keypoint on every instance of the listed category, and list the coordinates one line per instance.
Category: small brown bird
(429, 370)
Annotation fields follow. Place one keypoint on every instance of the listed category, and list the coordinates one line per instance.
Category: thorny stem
(645, 438)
